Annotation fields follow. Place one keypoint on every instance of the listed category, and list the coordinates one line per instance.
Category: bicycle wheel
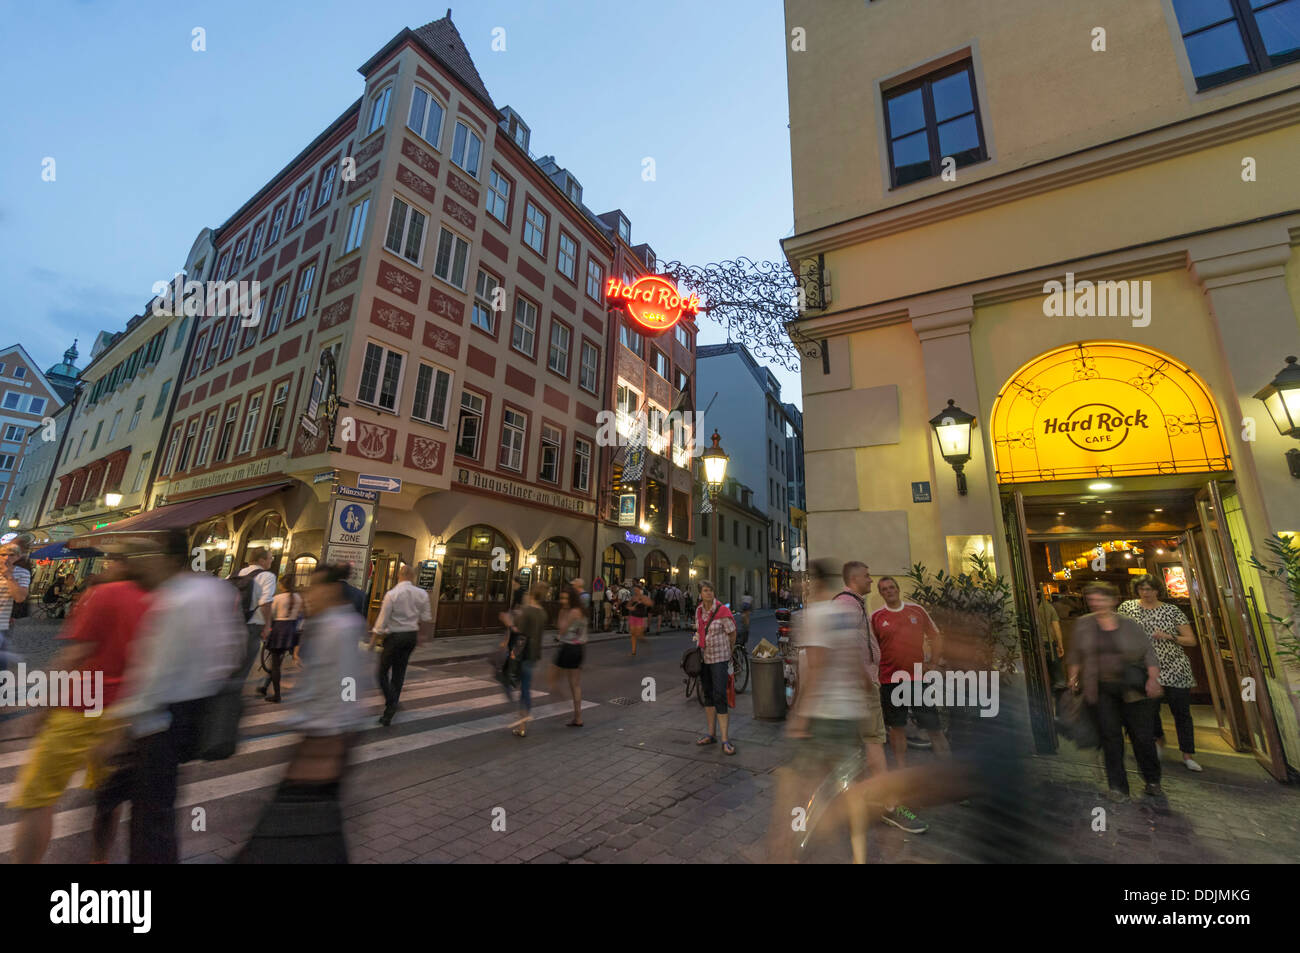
(692, 684)
(264, 658)
(740, 662)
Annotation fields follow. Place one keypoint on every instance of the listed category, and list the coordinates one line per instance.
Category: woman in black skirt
(572, 625)
(286, 610)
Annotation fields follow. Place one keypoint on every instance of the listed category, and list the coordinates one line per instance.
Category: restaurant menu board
(428, 574)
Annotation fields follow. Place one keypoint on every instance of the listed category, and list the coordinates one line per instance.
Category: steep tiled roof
(443, 39)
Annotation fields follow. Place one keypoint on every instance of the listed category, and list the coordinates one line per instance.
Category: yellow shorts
(67, 743)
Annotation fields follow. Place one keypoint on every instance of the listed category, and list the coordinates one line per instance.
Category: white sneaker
(1191, 765)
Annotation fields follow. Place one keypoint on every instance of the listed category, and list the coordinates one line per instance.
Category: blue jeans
(526, 684)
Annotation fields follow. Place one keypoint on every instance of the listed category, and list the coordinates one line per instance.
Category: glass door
(383, 576)
(1037, 681)
(1240, 625)
(1216, 649)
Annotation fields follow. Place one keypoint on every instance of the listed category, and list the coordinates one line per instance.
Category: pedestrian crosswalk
(436, 709)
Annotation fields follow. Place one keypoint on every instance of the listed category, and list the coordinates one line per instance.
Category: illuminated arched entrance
(1105, 409)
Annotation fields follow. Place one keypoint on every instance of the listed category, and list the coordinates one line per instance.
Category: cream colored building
(952, 161)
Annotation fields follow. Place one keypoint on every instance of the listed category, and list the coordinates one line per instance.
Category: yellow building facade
(1081, 224)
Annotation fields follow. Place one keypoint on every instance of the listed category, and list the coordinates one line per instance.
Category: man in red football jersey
(903, 628)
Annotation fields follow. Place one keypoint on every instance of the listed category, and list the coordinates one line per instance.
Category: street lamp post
(715, 473)
(952, 426)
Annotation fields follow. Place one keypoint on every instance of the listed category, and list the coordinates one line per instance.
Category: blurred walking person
(837, 708)
(170, 677)
(256, 585)
(96, 640)
(286, 613)
(405, 606)
(1114, 665)
(304, 822)
(572, 625)
(715, 634)
(1169, 631)
(529, 621)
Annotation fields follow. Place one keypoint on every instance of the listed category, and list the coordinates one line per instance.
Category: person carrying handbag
(1113, 664)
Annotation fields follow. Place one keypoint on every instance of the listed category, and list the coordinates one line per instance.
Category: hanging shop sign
(1105, 409)
(627, 509)
(652, 301)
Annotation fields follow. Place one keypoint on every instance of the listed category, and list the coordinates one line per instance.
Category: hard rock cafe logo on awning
(652, 301)
(1096, 427)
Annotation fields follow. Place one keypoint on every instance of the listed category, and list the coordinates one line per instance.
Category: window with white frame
(356, 225)
(12, 399)
(680, 380)
(681, 442)
(6, 463)
(240, 247)
(325, 191)
(523, 335)
(162, 399)
(223, 265)
(535, 221)
(36, 405)
(425, 117)
(469, 428)
(568, 259)
(589, 369)
(498, 196)
(659, 361)
(452, 258)
(466, 149)
(379, 109)
(258, 232)
(656, 439)
(251, 417)
(683, 336)
(277, 223)
(581, 464)
(232, 338)
(595, 279)
(514, 429)
(278, 298)
(628, 403)
(300, 206)
(171, 450)
(14, 433)
(205, 443)
(227, 432)
(303, 298)
(405, 231)
(432, 394)
(117, 421)
(142, 472)
(483, 314)
(381, 377)
(552, 439)
(275, 423)
(187, 445)
(557, 358)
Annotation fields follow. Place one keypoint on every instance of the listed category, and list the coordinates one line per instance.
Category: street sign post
(384, 484)
(351, 531)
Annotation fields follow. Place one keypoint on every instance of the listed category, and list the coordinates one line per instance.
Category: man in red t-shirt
(902, 628)
(98, 637)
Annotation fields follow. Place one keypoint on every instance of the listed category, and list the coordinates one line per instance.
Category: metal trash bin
(767, 688)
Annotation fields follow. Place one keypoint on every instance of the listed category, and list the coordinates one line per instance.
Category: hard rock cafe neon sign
(653, 302)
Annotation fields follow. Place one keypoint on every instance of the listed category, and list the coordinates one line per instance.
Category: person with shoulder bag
(715, 634)
(256, 586)
(1113, 664)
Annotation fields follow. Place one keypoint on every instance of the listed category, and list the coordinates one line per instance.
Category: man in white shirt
(190, 644)
(405, 606)
(256, 585)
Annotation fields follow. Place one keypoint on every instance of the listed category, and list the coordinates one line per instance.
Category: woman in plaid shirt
(715, 634)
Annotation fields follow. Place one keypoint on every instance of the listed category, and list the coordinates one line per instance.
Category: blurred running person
(571, 624)
(903, 630)
(97, 640)
(529, 620)
(715, 634)
(638, 612)
(405, 606)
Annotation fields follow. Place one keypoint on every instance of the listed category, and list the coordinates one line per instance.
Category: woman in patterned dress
(1168, 629)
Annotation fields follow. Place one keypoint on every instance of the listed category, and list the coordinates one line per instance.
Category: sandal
(521, 732)
(728, 748)
(707, 740)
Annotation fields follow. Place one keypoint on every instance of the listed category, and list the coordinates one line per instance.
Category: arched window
(557, 563)
(303, 567)
(212, 539)
(613, 565)
(266, 532)
(473, 592)
(657, 568)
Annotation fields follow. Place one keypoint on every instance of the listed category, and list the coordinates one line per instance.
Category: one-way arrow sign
(371, 481)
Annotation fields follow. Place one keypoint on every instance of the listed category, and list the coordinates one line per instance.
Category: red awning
(172, 516)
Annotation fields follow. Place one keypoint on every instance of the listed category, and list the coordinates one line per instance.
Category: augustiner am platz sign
(1105, 409)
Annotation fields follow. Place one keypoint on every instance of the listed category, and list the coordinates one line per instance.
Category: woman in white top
(286, 611)
(572, 625)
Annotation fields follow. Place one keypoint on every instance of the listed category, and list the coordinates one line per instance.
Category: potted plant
(1283, 568)
(978, 602)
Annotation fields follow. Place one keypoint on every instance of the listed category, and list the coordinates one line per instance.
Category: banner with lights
(652, 302)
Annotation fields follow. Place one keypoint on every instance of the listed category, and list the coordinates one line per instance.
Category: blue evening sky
(153, 141)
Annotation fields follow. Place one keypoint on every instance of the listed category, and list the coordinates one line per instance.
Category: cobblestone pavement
(632, 787)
